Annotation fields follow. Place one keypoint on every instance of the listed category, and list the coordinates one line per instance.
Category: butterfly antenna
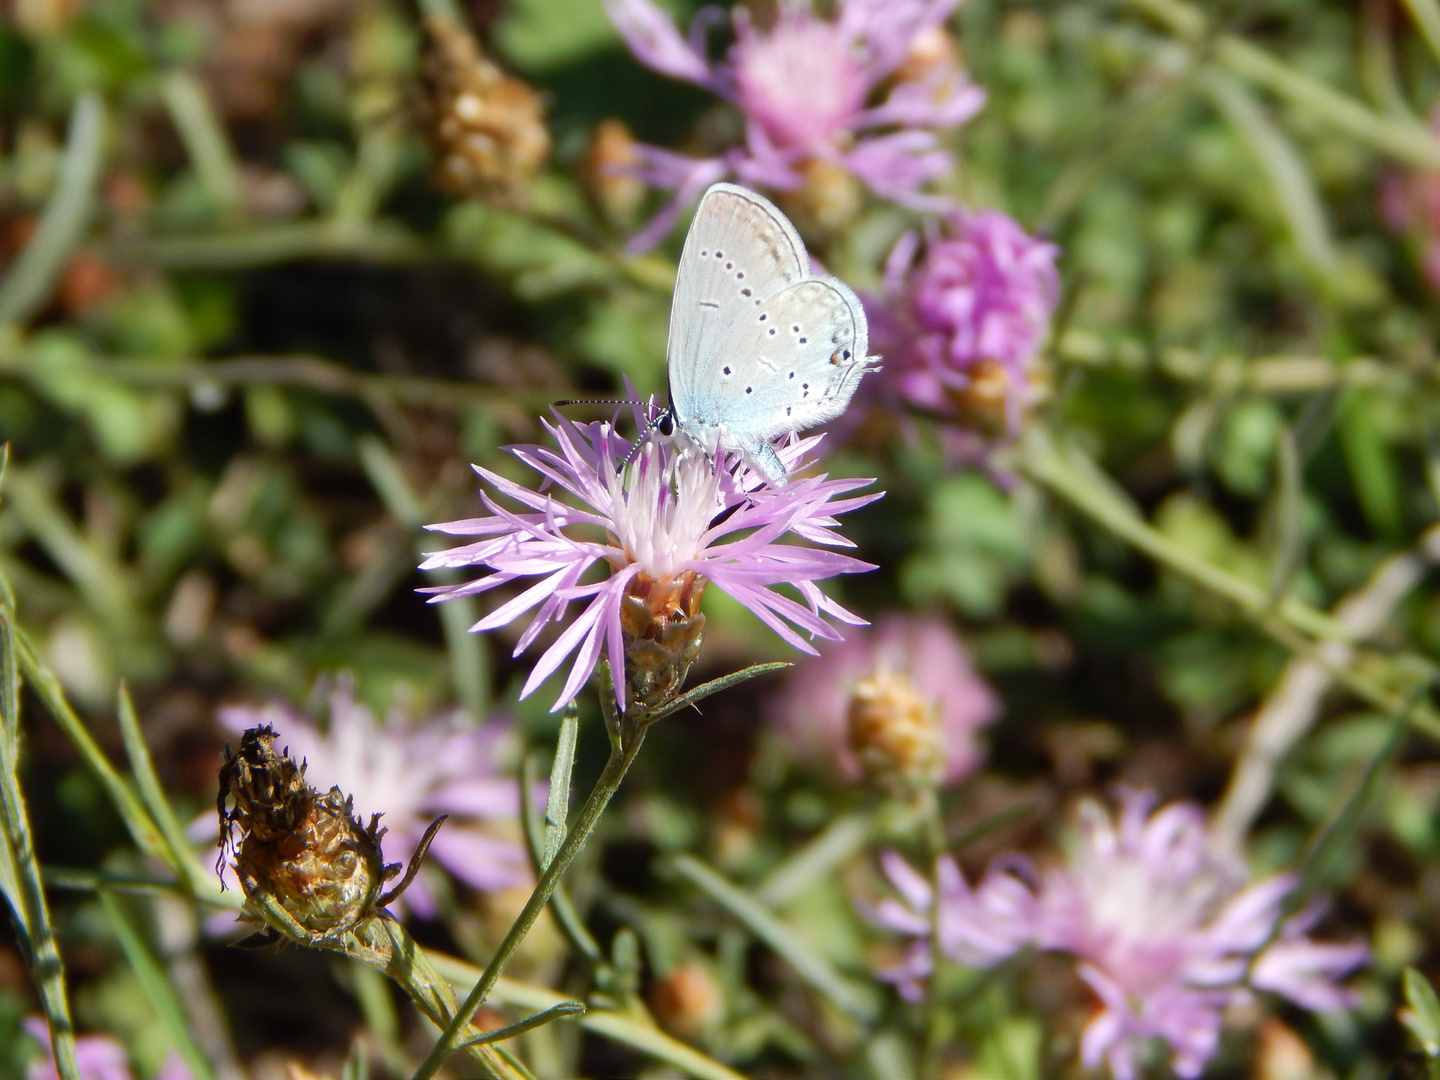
(597, 401)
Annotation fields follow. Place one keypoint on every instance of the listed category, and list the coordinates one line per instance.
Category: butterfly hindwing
(792, 363)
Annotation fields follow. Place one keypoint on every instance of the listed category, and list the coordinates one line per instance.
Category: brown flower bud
(663, 631)
(895, 733)
(985, 402)
(301, 852)
(606, 172)
(688, 1002)
(828, 201)
(488, 129)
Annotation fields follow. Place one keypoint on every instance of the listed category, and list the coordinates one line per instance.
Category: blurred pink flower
(99, 1057)
(865, 91)
(813, 710)
(1165, 929)
(411, 772)
(1410, 205)
(966, 309)
(670, 512)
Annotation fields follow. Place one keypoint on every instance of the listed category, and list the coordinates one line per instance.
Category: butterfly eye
(665, 423)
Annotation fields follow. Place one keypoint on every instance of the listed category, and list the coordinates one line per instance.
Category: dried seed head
(663, 630)
(895, 733)
(303, 852)
(608, 172)
(827, 202)
(488, 129)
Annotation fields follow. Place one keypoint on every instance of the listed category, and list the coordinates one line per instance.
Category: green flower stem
(627, 737)
(1078, 481)
(932, 848)
(1410, 143)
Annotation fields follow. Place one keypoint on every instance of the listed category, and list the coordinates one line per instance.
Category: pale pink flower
(1165, 928)
(811, 89)
(670, 512)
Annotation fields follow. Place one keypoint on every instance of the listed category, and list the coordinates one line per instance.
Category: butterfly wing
(740, 252)
(792, 362)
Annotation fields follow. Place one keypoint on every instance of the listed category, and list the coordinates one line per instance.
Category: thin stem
(932, 847)
(624, 747)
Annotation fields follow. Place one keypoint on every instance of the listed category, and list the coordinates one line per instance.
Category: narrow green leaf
(1424, 1020)
(640, 1035)
(555, 1012)
(147, 783)
(1426, 14)
(157, 987)
(1296, 201)
(20, 874)
(1341, 828)
(557, 805)
(714, 686)
(47, 688)
(1288, 531)
(845, 837)
(813, 968)
(33, 275)
(206, 142)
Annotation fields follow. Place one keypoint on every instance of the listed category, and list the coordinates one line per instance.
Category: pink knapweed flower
(98, 1057)
(902, 658)
(1410, 205)
(864, 91)
(411, 772)
(967, 306)
(1165, 928)
(656, 530)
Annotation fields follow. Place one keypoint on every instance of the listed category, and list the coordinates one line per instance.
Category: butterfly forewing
(739, 253)
(792, 362)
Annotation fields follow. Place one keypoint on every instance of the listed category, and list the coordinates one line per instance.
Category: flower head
(98, 1057)
(966, 310)
(658, 530)
(1164, 928)
(864, 91)
(411, 773)
(898, 698)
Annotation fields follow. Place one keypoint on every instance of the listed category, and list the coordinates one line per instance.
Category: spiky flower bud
(488, 129)
(662, 629)
(301, 854)
(895, 733)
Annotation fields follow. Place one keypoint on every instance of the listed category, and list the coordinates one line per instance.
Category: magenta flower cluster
(661, 511)
(811, 713)
(811, 89)
(1166, 930)
(412, 772)
(976, 288)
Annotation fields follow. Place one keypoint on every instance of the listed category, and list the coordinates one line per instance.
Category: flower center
(800, 81)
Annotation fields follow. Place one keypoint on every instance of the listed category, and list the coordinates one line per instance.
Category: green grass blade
(156, 985)
(132, 811)
(21, 874)
(813, 968)
(33, 275)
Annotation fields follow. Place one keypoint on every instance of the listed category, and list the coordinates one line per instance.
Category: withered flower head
(301, 855)
(488, 129)
(895, 732)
